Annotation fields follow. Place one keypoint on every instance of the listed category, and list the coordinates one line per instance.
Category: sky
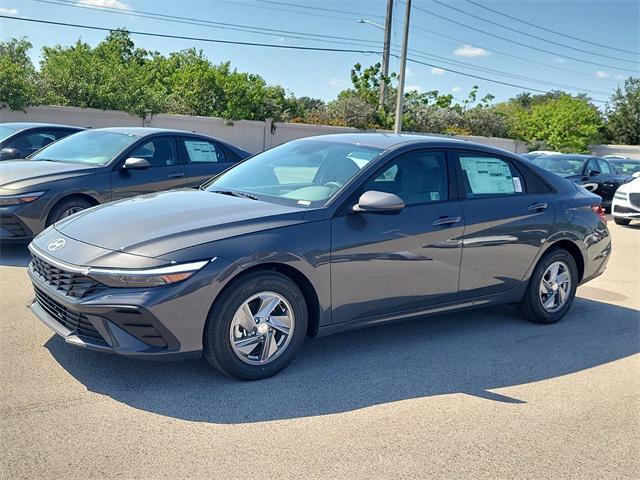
(443, 34)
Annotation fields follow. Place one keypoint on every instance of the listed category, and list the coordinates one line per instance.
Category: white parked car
(626, 202)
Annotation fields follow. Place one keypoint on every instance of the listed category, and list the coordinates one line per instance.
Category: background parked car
(625, 166)
(594, 173)
(19, 140)
(100, 165)
(626, 203)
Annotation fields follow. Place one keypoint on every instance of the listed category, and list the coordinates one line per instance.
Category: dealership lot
(480, 394)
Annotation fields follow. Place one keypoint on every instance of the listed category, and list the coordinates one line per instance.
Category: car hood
(157, 224)
(630, 187)
(18, 174)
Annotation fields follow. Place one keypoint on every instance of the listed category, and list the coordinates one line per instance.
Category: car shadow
(14, 254)
(468, 353)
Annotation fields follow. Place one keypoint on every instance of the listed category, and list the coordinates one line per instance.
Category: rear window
(487, 175)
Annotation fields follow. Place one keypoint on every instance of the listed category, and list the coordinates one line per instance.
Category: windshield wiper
(235, 194)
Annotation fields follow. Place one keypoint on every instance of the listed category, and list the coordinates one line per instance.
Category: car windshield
(625, 167)
(305, 172)
(96, 147)
(6, 130)
(561, 165)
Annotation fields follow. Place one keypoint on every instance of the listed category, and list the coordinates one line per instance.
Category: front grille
(75, 285)
(621, 209)
(634, 198)
(12, 225)
(74, 321)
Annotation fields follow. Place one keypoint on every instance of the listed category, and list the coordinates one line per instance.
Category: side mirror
(134, 163)
(9, 153)
(381, 202)
(636, 175)
(594, 172)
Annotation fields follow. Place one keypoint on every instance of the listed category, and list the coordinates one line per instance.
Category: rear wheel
(551, 289)
(66, 208)
(256, 327)
(621, 221)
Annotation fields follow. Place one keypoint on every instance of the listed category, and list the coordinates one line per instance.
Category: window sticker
(517, 184)
(201, 151)
(488, 175)
(435, 196)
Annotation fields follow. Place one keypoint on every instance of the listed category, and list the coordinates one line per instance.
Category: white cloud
(601, 74)
(437, 71)
(106, 3)
(470, 51)
(12, 12)
(620, 76)
(414, 88)
(455, 89)
(337, 82)
(560, 60)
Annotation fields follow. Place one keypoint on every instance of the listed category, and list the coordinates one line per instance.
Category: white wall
(252, 136)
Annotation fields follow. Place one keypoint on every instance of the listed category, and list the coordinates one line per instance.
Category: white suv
(626, 202)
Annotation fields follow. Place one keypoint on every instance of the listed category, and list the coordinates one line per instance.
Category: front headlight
(152, 277)
(8, 200)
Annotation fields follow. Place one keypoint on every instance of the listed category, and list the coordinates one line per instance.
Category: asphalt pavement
(480, 394)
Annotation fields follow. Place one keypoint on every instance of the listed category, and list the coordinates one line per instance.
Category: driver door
(386, 263)
(164, 173)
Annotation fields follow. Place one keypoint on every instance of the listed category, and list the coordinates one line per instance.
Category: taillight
(598, 210)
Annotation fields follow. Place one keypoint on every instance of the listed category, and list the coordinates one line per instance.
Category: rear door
(204, 159)
(164, 173)
(508, 215)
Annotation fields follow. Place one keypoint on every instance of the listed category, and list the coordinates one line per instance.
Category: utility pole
(403, 70)
(385, 53)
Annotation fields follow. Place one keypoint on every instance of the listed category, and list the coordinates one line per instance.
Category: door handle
(537, 207)
(176, 175)
(442, 221)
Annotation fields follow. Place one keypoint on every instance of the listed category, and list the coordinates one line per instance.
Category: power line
(266, 45)
(321, 9)
(208, 23)
(497, 24)
(248, 28)
(314, 14)
(447, 19)
(566, 35)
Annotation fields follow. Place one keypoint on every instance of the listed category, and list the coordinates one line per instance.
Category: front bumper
(625, 209)
(162, 322)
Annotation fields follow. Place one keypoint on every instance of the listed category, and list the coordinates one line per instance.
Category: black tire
(530, 307)
(217, 347)
(621, 221)
(69, 203)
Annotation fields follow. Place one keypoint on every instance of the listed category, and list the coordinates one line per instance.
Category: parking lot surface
(480, 394)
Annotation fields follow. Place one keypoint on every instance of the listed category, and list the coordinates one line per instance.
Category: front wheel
(551, 289)
(67, 208)
(621, 221)
(256, 327)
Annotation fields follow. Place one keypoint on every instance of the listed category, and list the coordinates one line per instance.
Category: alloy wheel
(262, 328)
(555, 286)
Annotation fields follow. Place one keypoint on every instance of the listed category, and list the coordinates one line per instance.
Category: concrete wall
(251, 135)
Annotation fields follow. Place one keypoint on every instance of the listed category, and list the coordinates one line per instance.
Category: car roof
(389, 140)
(144, 131)
(569, 156)
(25, 125)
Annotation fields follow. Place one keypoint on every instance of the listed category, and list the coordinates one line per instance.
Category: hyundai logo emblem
(56, 244)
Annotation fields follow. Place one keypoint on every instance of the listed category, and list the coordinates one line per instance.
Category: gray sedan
(314, 237)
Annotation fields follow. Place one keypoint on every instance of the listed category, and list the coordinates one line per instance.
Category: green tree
(17, 75)
(566, 123)
(623, 114)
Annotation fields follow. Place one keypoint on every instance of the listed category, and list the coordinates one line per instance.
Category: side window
(419, 177)
(32, 142)
(592, 164)
(487, 175)
(203, 151)
(603, 166)
(159, 152)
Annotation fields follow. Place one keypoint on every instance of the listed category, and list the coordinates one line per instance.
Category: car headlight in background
(9, 200)
(620, 195)
(152, 277)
